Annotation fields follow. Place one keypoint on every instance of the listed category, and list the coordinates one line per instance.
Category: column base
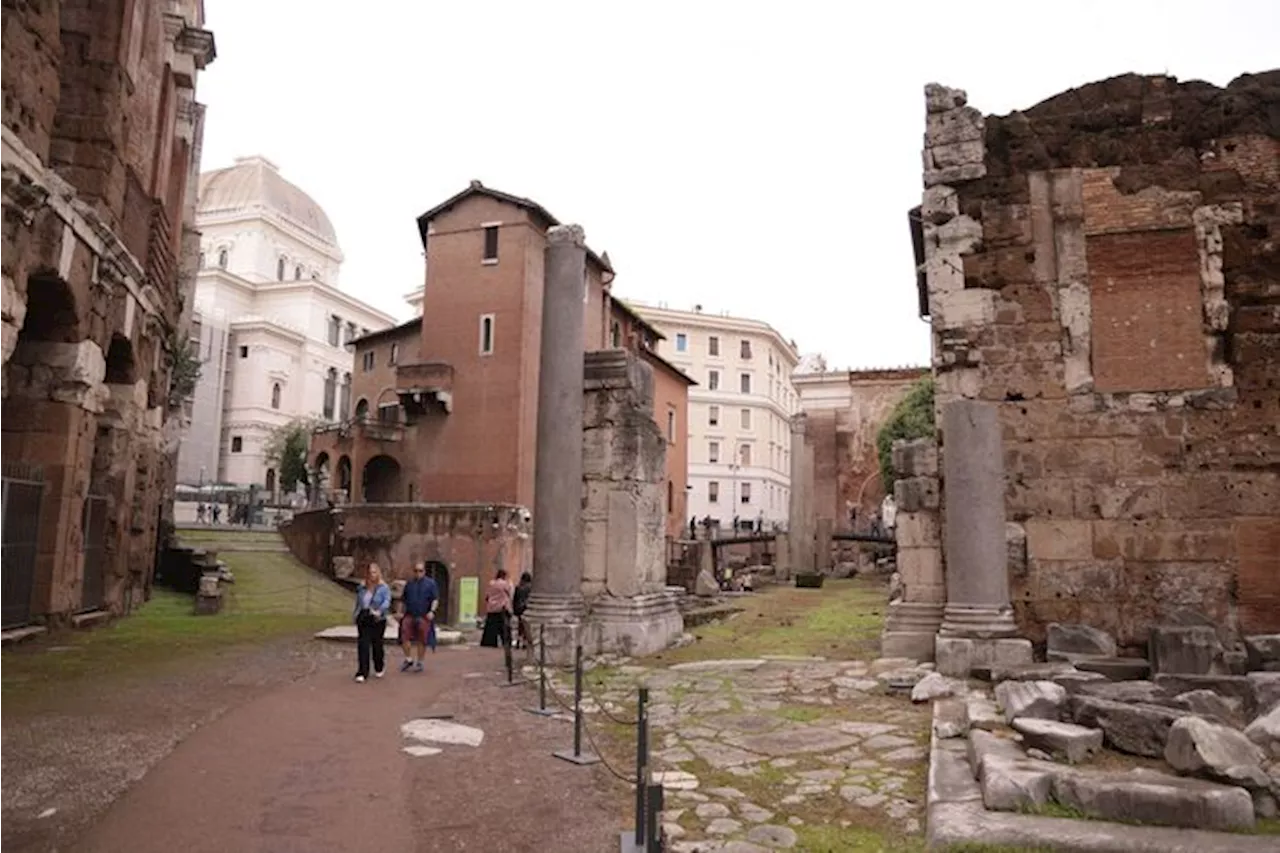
(957, 656)
(557, 618)
(909, 630)
(633, 626)
(978, 621)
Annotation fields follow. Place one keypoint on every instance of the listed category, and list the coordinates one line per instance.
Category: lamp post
(734, 467)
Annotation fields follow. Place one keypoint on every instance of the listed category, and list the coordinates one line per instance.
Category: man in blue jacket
(421, 596)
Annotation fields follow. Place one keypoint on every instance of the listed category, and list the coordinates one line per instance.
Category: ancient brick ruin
(1104, 267)
(102, 141)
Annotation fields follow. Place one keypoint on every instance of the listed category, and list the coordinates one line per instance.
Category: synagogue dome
(254, 184)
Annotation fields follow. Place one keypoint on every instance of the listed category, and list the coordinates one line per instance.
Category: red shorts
(414, 629)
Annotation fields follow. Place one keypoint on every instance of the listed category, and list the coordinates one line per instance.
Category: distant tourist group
(504, 604)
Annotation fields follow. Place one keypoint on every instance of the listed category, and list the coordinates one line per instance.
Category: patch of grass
(1267, 826)
(840, 621)
(834, 839)
(978, 847)
(801, 713)
(273, 597)
(200, 535)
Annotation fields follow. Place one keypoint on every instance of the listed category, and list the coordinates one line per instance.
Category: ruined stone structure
(101, 149)
(1102, 268)
(844, 412)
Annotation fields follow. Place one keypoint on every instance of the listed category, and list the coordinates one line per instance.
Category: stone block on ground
(1147, 797)
(1135, 728)
(950, 776)
(958, 656)
(1263, 652)
(934, 686)
(1265, 733)
(705, 586)
(1017, 784)
(1126, 691)
(949, 718)
(901, 679)
(1229, 686)
(985, 746)
(1042, 699)
(1074, 743)
(1184, 649)
(981, 713)
(1202, 748)
(1026, 672)
(1073, 681)
(1065, 641)
(1266, 690)
(1116, 669)
(1212, 706)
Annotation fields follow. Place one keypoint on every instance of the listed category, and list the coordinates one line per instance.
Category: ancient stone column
(911, 622)
(556, 600)
(800, 507)
(977, 625)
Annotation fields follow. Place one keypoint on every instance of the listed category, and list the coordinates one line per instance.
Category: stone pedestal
(910, 629)
(977, 625)
(637, 625)
(556, 599)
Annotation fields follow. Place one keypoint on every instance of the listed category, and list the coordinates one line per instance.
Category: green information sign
(468, 599)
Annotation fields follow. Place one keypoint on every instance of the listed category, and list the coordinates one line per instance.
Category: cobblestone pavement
(778, 753)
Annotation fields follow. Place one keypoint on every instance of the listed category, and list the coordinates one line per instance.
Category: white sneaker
(359, 679)
(378, 673)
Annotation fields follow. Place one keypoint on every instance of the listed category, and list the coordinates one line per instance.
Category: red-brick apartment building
(102, 137)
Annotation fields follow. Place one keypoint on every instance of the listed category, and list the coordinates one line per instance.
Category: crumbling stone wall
(1106, 267)
(101, 136)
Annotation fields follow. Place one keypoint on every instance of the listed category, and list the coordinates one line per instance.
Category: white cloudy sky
(755, 158)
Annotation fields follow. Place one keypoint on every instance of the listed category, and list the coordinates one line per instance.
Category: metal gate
(93, 588)
(23, 490)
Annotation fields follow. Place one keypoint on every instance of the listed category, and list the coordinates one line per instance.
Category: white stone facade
(739, 428)
(270, 322)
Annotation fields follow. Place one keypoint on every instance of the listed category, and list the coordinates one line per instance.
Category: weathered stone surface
(1066, 641)
(1266, 689)
(901, 679)
(728, 826)
(1139, 729)
(1184, 650)
(1154, 798)
(1116, 669)
(1263, 651)
(773, 837)
(1042, 699)
(1073, 681)
(949, 719)
(1232, 686)
(982, 713)
(984, 746)
(707, 811)
(951, 779)
(1202, 748)
(794, 740)
(958, 656)
(1026, 672)
(1072, 742)
(1210, 705)
(1265, 732)
(705, 585)
(1125, 691)
(881, 665)
(1016, 784)
(933, 686)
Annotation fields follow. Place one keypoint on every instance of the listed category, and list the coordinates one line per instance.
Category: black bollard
(542, 710)
(577, 756)
(642, 761)
(652, 811)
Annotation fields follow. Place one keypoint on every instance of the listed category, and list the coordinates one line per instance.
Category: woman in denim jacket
(373, 601)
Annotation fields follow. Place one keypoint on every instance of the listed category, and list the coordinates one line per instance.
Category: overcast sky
(754, 158)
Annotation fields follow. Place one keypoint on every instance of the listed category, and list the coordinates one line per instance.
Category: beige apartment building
(739, 440)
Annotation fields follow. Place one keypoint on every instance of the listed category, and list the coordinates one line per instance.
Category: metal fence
(23, 491)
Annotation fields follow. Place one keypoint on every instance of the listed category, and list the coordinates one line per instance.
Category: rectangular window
(395, 354)
(615, 335)
(713, 415)
(351, 332)
(744, 383)
(671, 426)
(713, 492)
(486, 334)
(713, 380)
(237, 444)
(745, 494)
(682, 342)
(713, 451)
(368, 361)
(746, 419)
(744, 455)
(244, 352)
(745, 350)
(713, 345)
(389, 413)
(491, 243)
(335, 330)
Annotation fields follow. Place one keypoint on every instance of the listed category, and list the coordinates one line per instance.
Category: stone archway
(382, 480)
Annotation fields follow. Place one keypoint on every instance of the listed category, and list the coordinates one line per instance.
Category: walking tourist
(497, 612)
(519, 604)
(373, 601)
(420, 599)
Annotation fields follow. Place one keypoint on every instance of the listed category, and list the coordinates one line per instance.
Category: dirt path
(316, 765)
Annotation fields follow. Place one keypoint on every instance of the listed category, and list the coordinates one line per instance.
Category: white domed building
(271, 322)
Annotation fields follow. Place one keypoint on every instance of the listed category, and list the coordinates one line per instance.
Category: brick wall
(1116, 298)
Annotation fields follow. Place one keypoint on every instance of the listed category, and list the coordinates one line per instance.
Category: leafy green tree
(286, 450)
(912, 418)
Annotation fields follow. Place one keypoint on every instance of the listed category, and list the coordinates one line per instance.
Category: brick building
(844, 412)
(1104, 267)
(101, 149)
(446, 404)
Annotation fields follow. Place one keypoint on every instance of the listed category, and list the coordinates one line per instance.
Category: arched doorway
(271, 483)
(120, 370)
(440, 573)
(381, 481)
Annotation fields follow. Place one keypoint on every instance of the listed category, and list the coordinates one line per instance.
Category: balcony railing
(366, 426)
(430, 376)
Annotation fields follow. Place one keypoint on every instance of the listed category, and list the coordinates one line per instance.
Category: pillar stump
(556, 601)
(800, 522)
(977, 623)
(911, 624)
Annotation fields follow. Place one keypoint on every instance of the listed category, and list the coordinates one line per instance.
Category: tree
(286, 449)
(912, 418)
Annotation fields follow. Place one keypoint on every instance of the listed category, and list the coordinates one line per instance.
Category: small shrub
(912, 418)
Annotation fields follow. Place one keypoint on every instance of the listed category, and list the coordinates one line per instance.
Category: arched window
(275, 395)
(297, 273)
(222, 259)
(271, 480)
(280, 269)
(362, 408)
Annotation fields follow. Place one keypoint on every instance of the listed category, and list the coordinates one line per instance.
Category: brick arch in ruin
(382, 480)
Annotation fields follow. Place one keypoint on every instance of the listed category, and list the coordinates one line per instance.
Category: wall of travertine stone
(1104, 266)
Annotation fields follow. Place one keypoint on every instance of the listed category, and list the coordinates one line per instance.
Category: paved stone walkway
(758, 754)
